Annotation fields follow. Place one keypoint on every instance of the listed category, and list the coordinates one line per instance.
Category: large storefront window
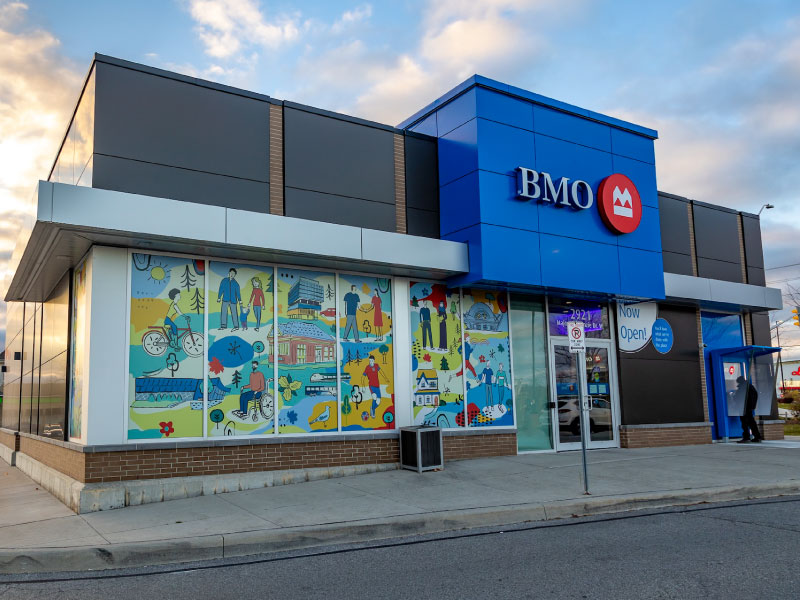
(240, 371)
(366, 351)
(529, 339)
(487, 359)
(594, 316)
(306, 338)
(165, 390)
(436, 350)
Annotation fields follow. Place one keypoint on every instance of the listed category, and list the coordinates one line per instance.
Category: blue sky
(720, 81)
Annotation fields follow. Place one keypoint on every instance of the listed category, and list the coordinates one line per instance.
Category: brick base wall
(771, 430)
(9, 439)
(69, 462)
(651, 437)
(92, 465)
(457, 447)
(216, 460)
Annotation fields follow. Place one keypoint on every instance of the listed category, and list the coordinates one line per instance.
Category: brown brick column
(276, 205)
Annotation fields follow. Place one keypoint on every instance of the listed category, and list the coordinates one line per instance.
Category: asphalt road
(745, 550)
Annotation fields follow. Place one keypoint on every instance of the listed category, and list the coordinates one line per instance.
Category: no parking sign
(577, 339)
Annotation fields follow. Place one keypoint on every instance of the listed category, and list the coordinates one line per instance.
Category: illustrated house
(481, 318)
(305, 299)
(427, 389)
(302, 343)
(159, 392)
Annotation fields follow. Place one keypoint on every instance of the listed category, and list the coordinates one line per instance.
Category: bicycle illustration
(155, 340)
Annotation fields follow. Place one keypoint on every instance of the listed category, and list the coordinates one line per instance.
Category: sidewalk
(38, 533)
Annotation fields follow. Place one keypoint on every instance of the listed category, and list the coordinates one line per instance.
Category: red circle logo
(619, 203)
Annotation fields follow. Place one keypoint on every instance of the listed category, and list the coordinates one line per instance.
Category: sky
(719, 80)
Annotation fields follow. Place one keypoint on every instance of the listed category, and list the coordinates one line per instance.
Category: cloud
(226, 27)
(351, 17)
(38, 91)
(456, 39)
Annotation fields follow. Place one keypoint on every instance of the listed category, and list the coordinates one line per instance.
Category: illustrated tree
(216, 416)
(444, 366)
(358, 357)
(384, 350)
(329, 292)
(414, 302)
(237, 378)
(187, 279)
(197, 303)
(349, 355)
(346, 408)
(500, 348)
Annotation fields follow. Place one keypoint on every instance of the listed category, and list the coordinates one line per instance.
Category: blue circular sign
(662, 336)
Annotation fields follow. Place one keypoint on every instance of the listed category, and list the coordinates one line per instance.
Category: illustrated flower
(288, 387)
(166, 428)
(482, 358)
(215, 366)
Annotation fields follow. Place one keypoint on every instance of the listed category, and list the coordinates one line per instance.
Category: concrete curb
(137, 554)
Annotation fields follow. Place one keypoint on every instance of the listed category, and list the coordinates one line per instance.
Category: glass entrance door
(600, 387)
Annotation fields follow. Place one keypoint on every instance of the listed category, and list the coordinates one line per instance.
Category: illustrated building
(305, 299)
(156, 165)
(427, 388)
(303, 343)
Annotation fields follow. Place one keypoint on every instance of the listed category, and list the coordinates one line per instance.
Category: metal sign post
(577, 345)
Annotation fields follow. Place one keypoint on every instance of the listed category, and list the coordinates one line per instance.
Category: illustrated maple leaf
(215, 366)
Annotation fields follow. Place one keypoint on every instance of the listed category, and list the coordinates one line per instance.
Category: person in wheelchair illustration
(255, 391)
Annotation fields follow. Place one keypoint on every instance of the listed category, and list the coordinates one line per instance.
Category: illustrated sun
(157, 273)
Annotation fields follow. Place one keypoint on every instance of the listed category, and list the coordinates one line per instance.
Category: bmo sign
(617, 198)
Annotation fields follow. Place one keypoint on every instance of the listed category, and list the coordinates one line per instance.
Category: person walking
(351, 302)
(256, 300)
(749, 425)
(425, 321)
(377, 317)
(230, 296)
(441, 312)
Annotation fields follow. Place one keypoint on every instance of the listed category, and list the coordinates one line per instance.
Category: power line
(783, 267)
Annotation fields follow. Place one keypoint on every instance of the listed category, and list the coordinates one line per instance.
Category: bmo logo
(619, 203)
(617, 198)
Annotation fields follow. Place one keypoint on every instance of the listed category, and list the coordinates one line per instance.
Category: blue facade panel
(485, 134)
(560, 125)
(503, 148)
(504, 109)
(579, 265)
(458, 152)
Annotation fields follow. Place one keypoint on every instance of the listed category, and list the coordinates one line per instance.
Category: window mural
(487, 359)
(367, 359)
(166, 347)
(306, 351)
(77, 349)
(240, 368)
(436, 365)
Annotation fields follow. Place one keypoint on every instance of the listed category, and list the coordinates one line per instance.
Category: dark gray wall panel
(762, 336)
(755, 276)
(329, 155)
(123, 175)
(674, 217)
(660, 391)
(423, 222)
(716, 234)
(339, 209)
(753, 252)
(422, 174)
(718, 269)
(160, 120)
(677, 263)
(664, 388)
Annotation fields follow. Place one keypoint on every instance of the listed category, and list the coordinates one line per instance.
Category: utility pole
(777, 328)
